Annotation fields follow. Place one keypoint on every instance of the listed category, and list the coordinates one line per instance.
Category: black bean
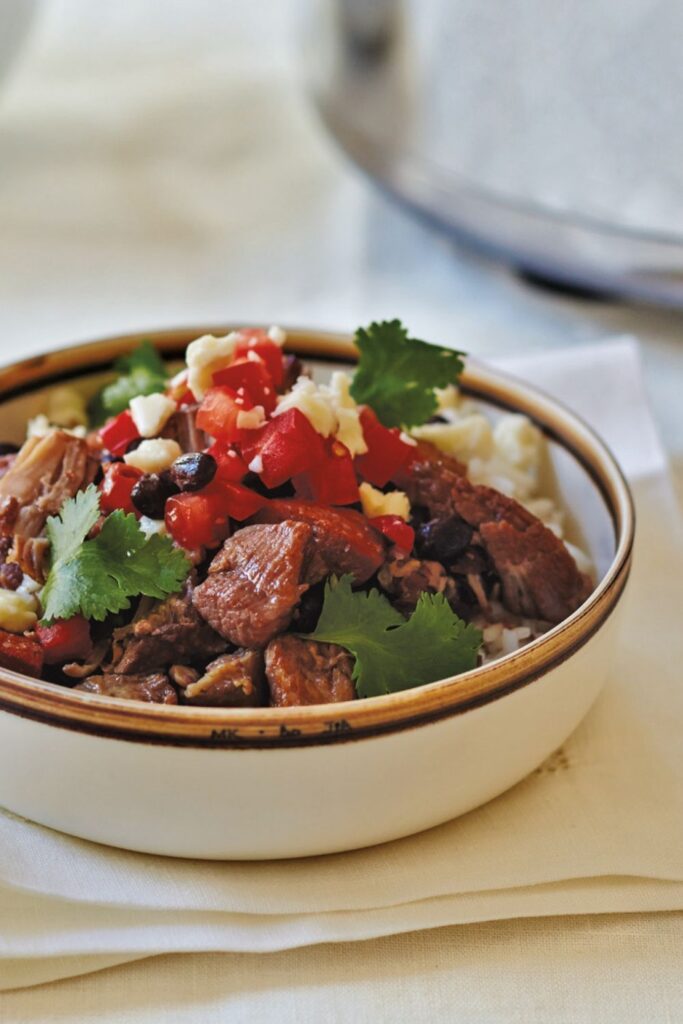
(150, 493)
(11, 576)
(193, 471)
(168, 483)
(443, 539)
(7, 448)
(419, 515)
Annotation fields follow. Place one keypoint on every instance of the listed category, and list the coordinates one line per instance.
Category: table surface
(158, 174)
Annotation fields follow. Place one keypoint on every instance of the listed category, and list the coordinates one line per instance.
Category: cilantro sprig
(98, 577)
(397, 375)
(140, 373)
(393, 653)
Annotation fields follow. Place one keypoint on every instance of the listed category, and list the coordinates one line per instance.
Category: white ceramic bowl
(291, 782)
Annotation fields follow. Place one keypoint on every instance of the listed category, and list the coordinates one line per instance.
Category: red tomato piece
(249, 376)
(187, 398)
(234, 500)
(396, 530)
(115, 489)
(21, 654)
(117, 434)
(286, 445)
(219, 412)
(195, 520)
(386, 453)
(65, 640)
(231, 466)
(257, 342)
(332, 481)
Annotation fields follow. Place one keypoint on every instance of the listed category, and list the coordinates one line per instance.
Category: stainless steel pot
(546, 134)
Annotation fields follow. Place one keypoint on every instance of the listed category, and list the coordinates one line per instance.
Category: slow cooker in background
(545, 134)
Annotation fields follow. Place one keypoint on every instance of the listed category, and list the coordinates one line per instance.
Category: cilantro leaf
(393, 653)
(396, 375)
(99, 576)
(78, 515)
(140, 373)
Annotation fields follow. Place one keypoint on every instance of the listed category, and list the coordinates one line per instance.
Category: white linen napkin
(598, 828)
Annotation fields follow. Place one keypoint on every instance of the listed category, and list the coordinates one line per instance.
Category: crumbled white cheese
(150, 527)
(277, 335)
(154, 456)
(309, 399)
(40, 426)
(151, 412)
(66, 407)
(256, 464)
(466, 438)
(206, 355)
(250, 419)
(329, 408)
(17, 611)
(349, 430)
(376, 503)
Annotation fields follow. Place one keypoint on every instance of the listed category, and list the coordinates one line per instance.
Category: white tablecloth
(165, 170)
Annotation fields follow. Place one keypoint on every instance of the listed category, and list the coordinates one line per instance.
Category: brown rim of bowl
(292, 727)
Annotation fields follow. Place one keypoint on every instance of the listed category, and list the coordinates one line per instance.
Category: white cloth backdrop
(165, 169)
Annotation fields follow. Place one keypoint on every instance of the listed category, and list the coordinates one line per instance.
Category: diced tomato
(231, 466)
(218, 413)
(117, 434)
(332, 481)
(21, 654)
(187, 398)
(115, 489)
(386, 453)
(65, 640)
(234, 500)
(396, 530)
(253, 377)
(287, 445)
(195, 519)
(258, 343)
(177, 389)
